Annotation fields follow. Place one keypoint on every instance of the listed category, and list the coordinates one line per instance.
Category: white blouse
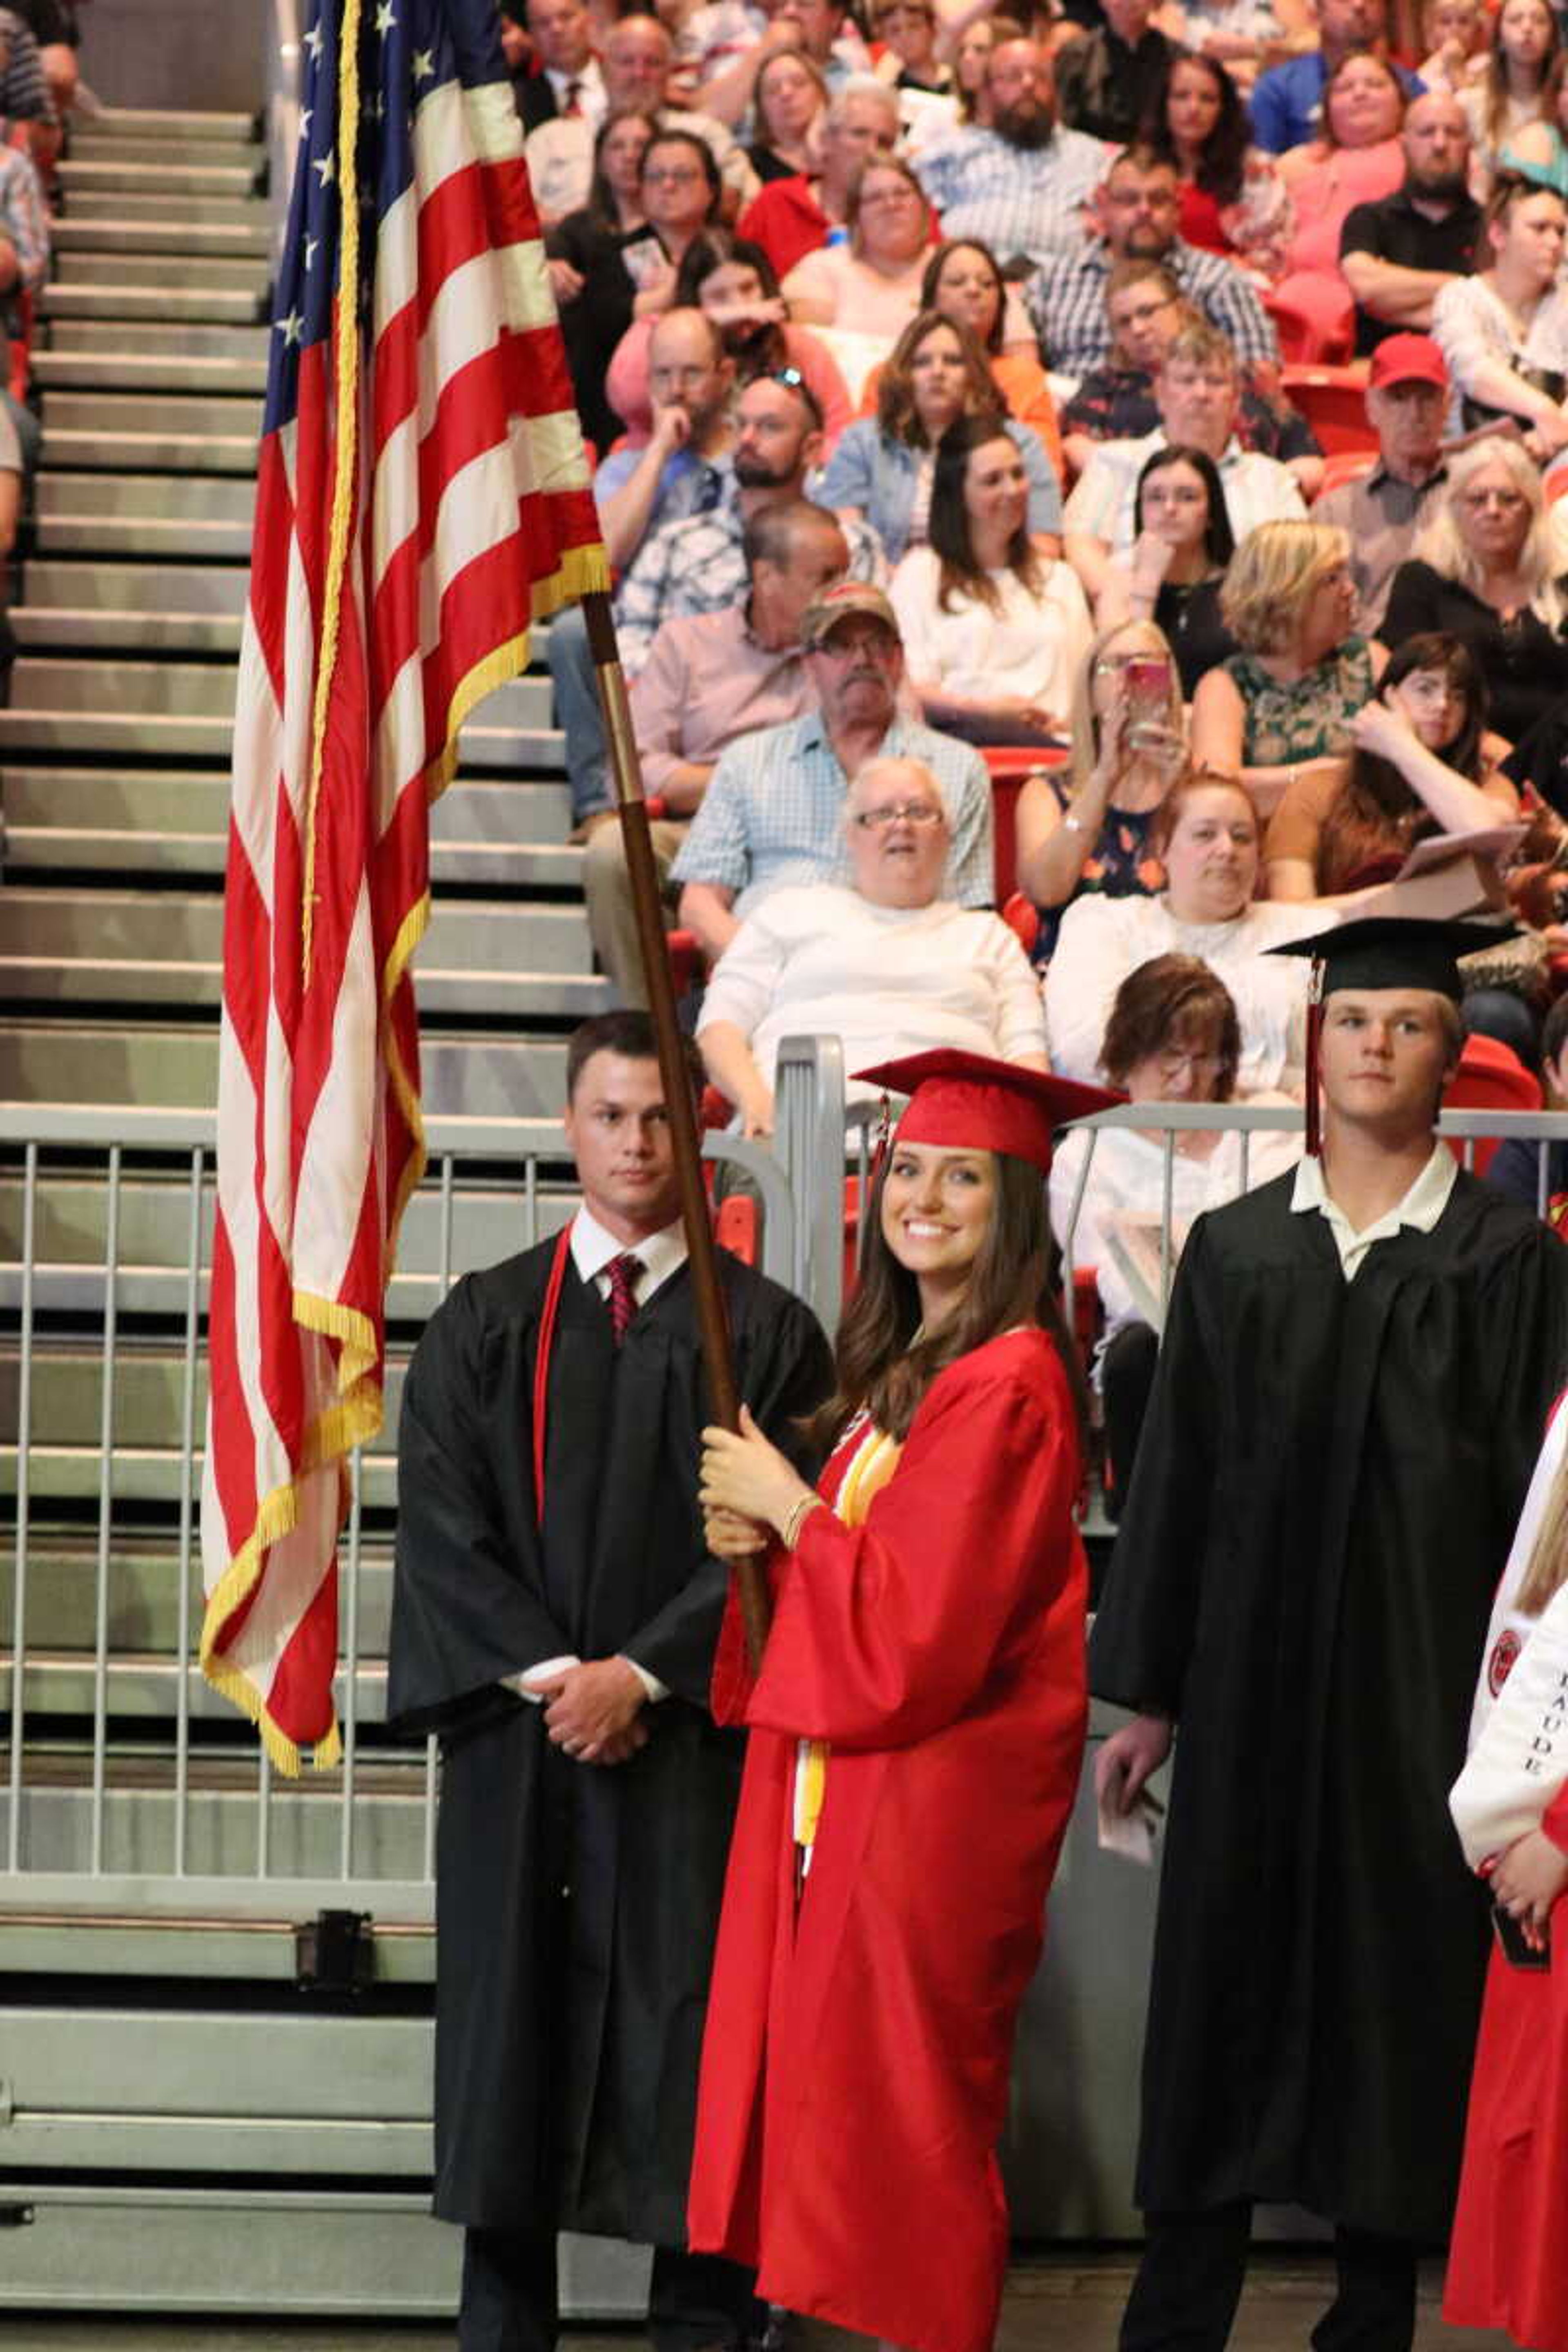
(1033, 645)
(1102, 940)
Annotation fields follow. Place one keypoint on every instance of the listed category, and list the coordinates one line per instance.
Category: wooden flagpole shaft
(712, 1324)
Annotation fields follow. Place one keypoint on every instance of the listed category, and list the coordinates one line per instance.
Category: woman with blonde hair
(1087, 827)
(1507, 2267)
(870, 285)
(1482, 570)
(1283, 705)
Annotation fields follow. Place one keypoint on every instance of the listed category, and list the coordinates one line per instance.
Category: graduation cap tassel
(713, 1323)
(1314, 1049)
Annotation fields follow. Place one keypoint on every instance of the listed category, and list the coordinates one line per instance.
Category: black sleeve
(1148, 1612)
(1540, 760)
(784, 1370)
(1363, 231)
(463, 1611)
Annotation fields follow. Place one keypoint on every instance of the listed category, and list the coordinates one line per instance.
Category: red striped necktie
(621, 1274)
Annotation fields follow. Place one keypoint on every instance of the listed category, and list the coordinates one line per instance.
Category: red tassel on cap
(1314, 1050)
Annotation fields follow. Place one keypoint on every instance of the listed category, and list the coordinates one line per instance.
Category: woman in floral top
(1281, 708)
(1087, 829)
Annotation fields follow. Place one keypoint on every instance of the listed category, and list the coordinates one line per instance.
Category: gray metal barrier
(124, 1789)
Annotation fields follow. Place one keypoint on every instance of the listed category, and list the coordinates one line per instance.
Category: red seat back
(1491, 1077)
(1333, 402)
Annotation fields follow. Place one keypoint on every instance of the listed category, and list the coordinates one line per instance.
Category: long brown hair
(947, 528)
(1375, 813)
(896, 413)
(879, 1363)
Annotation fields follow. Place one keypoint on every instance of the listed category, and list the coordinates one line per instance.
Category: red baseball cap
(968, 1102)
(1408, 358)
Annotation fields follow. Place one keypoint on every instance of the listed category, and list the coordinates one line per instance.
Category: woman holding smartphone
(1088, 828)
(917, 1729)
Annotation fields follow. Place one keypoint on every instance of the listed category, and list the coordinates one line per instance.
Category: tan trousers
(612, 921)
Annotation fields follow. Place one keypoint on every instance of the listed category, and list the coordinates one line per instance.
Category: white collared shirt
(592, 100)
(1421, 1207)
(592, 1247)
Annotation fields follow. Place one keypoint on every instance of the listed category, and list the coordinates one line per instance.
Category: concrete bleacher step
(304, 1833)
(489, 1221)
(175, 235)
(157, 124)
(151, 338)
(172, 152)
(132, 302)
(187, 453)
(148, 588)
(79, 269)
(61, 938)
(114, 414)
(82, 176)
(502, 835)
(149, 210)
(61, 630)
(154, 494)
(142, 536)
(191, 689)
(142, 1596)
(81, 370)
(164, 735)
(465, 1075)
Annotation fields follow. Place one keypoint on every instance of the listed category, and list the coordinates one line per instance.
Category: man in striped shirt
(1023, 185)
(1137, 207)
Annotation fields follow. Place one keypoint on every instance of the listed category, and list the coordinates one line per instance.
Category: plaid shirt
(1013, 199)
(699, 566)
(773, 811)
(1066, 301)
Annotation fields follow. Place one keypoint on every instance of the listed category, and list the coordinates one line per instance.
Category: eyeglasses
(671, 175)
(876, 820)
(1507, 499)
(790, 377)
(1202, 1066)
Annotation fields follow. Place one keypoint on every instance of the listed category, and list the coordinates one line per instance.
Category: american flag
(422, 496)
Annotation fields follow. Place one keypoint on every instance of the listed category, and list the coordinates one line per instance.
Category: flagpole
(712, 1324)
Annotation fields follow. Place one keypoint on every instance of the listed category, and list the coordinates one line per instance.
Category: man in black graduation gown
(1355, 1374)
(564, 1658)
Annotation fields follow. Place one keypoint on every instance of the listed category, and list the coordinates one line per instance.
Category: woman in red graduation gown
(917, 1729)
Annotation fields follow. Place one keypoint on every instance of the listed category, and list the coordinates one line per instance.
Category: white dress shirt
(592, 1247)
(1421, 1207)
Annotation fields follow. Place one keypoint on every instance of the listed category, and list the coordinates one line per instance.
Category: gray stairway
(151, 360)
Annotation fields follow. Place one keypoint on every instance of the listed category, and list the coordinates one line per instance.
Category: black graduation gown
(1324, 1496)
(568, 2035)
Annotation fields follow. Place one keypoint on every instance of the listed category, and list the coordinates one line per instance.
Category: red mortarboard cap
(968, 1102)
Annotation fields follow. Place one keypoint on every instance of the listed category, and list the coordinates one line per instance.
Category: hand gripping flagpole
(712, 1324)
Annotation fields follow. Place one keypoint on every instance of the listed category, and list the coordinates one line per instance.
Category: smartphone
(1510, 1937)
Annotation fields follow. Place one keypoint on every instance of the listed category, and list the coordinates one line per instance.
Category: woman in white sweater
(993, 631)
(1206, 833)
(881, 962)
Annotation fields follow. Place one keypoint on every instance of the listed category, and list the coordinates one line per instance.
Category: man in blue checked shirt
(774, 809)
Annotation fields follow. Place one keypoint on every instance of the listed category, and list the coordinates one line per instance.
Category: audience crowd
(1177, 392)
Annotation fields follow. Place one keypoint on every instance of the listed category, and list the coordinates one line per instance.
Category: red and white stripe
(471, 517)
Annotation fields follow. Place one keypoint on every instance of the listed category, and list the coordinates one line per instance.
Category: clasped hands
(594, 1711)
(746, 1487)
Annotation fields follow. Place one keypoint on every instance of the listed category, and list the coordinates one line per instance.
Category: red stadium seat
(1333, 402)
(1316, 332)
(1022, 917)
(1491, 1077)
(1010, 765)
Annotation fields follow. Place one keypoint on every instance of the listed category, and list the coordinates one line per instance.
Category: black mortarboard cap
(1383, 951)
(1396, 951)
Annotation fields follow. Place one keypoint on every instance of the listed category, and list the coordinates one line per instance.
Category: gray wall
(202, 54)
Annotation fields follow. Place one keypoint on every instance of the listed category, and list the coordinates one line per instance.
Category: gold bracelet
(790, 1533)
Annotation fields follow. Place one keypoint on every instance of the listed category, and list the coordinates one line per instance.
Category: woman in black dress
(1182, 543)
